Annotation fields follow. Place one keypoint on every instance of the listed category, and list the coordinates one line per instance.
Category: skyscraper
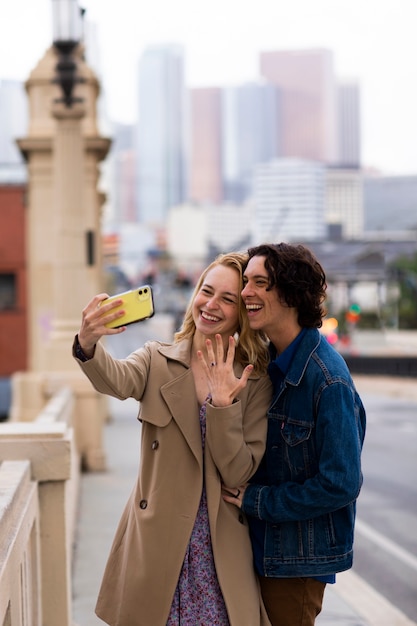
(308, 101)
(348, 124)
(250, 135)
(206, 183)
(161, 133)
(123, 166)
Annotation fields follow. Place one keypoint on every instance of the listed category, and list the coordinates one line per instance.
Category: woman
(181, 554)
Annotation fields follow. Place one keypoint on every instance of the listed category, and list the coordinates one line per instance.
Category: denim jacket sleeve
(331, 477)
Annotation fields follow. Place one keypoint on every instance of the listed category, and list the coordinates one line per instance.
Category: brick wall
(13, 322)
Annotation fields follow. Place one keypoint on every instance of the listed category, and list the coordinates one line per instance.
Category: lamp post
(67, 34)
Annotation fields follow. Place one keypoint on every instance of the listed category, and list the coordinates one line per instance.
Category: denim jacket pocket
(295, 432)
(297, 450)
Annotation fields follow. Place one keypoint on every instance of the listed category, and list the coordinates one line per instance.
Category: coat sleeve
(236, 435)
(120, 378)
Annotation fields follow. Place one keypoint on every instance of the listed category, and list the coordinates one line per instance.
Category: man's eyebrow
(255, 276)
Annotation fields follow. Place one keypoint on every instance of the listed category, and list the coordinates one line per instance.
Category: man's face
(263, 307)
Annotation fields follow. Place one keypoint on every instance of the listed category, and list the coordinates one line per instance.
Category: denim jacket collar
(308, 345)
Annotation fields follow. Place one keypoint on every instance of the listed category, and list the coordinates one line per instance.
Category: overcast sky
(374, 41)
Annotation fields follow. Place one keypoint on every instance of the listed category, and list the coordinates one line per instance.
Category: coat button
(143, 504)
(155, 444)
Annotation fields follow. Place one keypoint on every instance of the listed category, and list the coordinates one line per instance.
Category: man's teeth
(253, 307)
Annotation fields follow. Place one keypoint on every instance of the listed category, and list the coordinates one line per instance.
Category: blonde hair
(251, 345)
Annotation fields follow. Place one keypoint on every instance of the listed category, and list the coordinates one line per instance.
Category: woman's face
(216, 305)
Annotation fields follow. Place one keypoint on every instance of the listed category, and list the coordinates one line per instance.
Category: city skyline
(372, 42)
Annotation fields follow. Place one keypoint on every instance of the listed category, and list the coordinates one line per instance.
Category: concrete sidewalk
(350, 602)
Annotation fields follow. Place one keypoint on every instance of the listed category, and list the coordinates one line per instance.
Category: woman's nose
(212, 302)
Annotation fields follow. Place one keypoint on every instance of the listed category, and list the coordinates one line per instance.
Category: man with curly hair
(301, 501)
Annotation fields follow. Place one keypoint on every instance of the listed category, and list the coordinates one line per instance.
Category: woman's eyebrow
(224, 293)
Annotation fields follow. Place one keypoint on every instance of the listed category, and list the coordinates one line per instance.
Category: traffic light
(353, 313)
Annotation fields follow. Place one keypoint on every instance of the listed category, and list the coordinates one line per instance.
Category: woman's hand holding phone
(105, 315)
(95, 316)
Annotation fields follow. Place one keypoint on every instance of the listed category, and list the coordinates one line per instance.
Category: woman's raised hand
(222, 382)
(94, 317)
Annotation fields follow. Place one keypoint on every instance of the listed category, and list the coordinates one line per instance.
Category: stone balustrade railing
(39, 478)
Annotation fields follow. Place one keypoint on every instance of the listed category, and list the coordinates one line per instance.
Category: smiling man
(301, 502)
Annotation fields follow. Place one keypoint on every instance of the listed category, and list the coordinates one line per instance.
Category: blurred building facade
(122, 173)
(13, 288)
(344, 203)
(13, 194)
(390, 203)
(307, 84)
(161, 140)
(289, 200)
(206, 177)
(348, 124)
(250, 135)
(215, 228)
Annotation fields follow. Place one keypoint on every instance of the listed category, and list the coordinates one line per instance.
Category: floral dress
(198, 600)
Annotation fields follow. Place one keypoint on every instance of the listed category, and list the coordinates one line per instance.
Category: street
(385, 540)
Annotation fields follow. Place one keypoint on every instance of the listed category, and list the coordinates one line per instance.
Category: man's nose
(246, 290)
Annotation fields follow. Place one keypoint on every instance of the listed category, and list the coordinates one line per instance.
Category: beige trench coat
(150, 543)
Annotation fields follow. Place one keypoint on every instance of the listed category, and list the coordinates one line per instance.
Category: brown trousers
(292, 601)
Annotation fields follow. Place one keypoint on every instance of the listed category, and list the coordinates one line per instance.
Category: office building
(390, 203)
(344, 202)
(13, 288)
(289, 201)
(307, 102)
(161, 133)
(348, 125)
(250, 135)
(205, 182)
(122, 176)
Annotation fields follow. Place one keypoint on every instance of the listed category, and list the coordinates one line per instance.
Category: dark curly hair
(298, 278)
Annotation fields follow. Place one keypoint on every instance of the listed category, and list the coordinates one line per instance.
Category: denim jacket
(306, 487)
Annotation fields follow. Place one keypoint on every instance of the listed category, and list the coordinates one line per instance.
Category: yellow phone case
(137, 304)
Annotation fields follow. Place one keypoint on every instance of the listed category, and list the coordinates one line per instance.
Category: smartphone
(137, 304)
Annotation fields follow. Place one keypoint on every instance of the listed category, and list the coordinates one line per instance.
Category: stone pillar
(68, 246)
(63, 149)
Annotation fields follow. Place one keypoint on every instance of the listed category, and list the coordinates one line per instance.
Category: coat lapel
(180, 396)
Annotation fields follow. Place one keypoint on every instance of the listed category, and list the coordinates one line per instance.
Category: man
(301, 502)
